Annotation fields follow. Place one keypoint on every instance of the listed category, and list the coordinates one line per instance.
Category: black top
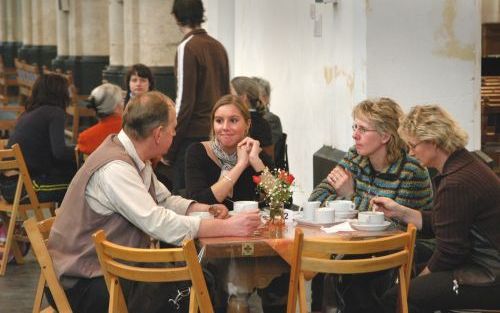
(40, 134)
(202, 172)
(260, 129)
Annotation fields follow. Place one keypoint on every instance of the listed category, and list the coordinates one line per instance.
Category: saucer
(370, 227)
(306, 222)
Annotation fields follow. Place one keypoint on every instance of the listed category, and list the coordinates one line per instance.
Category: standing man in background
(202, 71)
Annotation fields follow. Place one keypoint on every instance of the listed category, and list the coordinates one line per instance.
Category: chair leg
(18, 254)
(193, 304)
(11, 222)
(302, 294)
(39, 294)
(403, 295)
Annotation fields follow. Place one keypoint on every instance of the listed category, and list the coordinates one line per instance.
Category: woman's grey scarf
(228, 161)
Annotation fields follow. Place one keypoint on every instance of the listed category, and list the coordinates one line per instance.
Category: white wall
(413, 51)
(427, 51)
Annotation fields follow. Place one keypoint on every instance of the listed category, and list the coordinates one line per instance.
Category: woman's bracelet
(229, 179)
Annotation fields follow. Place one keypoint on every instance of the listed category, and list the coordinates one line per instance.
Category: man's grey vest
(70, 244)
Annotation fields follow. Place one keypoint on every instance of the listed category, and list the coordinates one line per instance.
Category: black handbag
(483, 267)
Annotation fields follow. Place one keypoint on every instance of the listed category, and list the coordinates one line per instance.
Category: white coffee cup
(324, 215)
(371, 218)
(245, 206)
(309, 208)
(341, 205)
(202, 215)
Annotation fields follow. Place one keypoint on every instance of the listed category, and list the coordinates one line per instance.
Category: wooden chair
(75, 110)
(12, 161)
(111, 257)
(27, 74)
(80, 157)
(314, 255)
(8, 78)
(38, 233)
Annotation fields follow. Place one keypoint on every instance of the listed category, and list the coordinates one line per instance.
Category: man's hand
(243, 224)
(218, 211)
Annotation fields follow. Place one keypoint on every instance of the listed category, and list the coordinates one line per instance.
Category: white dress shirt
(117, 187)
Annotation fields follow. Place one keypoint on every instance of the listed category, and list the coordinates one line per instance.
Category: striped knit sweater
(405, 181)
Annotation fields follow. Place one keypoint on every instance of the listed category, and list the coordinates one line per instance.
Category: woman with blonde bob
(221, 170)
(464, 270)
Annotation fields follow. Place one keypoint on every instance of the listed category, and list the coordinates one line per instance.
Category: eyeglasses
(361, 129)
(412, 146)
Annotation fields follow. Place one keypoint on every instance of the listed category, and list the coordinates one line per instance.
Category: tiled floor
(18, 286)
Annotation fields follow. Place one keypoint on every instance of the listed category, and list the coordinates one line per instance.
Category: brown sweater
(202, 71)
(466, 194)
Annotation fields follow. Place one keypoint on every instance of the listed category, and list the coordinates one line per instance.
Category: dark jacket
(466, 194)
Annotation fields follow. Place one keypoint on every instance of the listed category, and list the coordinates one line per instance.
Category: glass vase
(276, 220)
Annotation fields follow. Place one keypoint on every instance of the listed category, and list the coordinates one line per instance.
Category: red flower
(256, 179)
(286, 177)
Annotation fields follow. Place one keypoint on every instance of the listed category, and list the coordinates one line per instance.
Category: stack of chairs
(8, 78)
(9, 113)
(490, 117)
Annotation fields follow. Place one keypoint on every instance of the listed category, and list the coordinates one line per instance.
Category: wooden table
(253, 262)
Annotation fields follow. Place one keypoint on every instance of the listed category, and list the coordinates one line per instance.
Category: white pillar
(10, 40)
(131, 31)
(159, 33)
(3, 21)
(48, 36)
(151, 38)
(62, 26)
(88, 42)
(114, 72)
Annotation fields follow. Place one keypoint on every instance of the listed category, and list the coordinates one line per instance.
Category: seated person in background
(139, 79)
(464, 270)
(116, 190)
(273, 119)
(377, 165)
(260, 130)
(107, 101)
(39, 132)
(221, 170)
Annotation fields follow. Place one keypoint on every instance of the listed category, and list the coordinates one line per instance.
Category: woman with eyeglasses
(464, 270)
(377, 165)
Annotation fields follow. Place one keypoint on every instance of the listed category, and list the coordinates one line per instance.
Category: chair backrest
(27, 74)
(38, 234)
(116, 261)
(281, 153)
(314, 255)
(12, 160)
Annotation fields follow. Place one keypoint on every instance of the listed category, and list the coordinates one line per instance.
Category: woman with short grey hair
(107, 101)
